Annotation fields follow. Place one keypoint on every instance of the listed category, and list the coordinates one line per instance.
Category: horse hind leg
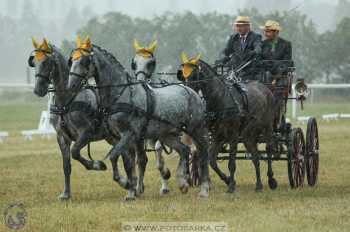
(128, 156)
(182, 172)
(200, 139)
(141, 163)
(232, 168)
(164, 171)
(270, 150)
(252, 148)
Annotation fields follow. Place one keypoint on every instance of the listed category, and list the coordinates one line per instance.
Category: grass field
(31, 173)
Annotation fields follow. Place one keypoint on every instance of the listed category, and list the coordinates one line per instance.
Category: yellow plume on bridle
(145, 51)
(188, 64)
(83, 48)
(41, 50)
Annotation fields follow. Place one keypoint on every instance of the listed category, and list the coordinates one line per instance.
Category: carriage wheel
(296, 156)
(312, 152)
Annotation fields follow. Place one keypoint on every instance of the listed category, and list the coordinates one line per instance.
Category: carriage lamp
(301, 91)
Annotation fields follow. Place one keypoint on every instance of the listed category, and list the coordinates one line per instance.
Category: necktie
(242, 42)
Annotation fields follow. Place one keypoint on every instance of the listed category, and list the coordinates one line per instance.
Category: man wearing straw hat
(277, 57)
(276, 49)
(242, 47)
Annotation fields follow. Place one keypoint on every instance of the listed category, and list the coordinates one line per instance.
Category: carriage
(301, 152)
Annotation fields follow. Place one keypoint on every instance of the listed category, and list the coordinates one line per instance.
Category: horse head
(80, 63)
(43, 61)
(144, 63)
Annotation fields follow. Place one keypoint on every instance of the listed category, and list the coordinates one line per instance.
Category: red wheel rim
(296, 162)
(312, 157)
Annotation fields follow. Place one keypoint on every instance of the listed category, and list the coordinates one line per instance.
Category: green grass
(31, 173)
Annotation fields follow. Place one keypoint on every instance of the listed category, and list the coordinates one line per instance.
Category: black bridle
(31, 64)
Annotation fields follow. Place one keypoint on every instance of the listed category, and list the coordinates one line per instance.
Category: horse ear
(88, 42)
(152, 47)
(184, 58)
(79, 43)
(196, 60)
(137, 46)
(35, 43)
(46, 46)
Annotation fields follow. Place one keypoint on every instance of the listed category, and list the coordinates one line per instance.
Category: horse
(75, 117)
(138, 112)
(228, 118)
(143, 65)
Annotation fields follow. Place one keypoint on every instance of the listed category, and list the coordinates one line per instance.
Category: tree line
(319, 57)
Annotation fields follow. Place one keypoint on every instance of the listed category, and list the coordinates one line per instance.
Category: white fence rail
(316, 86)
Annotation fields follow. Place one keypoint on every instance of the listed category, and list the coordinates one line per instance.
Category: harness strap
(131, 109)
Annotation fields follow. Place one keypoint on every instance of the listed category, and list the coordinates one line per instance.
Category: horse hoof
(167, 174)
(227, 181)
(99, 165)
(184, 189)
(272, 183)
(64, 196)
(129, 198)
(140, 189)
(203, 194)
(259, 189)
(164, 191)
(231, 189)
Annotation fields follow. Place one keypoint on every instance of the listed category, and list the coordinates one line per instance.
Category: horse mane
(59, 57)
(207, 67)
(110, 57)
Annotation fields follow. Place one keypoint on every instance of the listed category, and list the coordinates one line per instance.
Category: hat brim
(269, 29)
(242, 23)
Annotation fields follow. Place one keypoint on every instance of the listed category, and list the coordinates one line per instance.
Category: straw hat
(242, 20)
(271, 25)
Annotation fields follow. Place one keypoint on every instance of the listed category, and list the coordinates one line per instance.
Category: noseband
(147, 75)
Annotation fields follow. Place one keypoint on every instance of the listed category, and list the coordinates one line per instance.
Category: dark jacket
(282, 51)
(233, 48)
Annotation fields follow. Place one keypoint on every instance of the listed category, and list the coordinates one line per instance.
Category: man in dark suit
(276, 51)
(242, 47)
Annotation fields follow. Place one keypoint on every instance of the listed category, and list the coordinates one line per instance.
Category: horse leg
(270, 150)
(64, 145)
(142, 163)
(252, 148)
(81, 142)
(182, 172)
(164, 171)
(232, 168)
(129, 167)
(200, 140)
(271, 180)
(122, 148)
(213, 155)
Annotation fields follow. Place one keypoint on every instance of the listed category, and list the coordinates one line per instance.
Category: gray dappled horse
(74, 116)
(225, 105)
(138, 113)
(143, 65)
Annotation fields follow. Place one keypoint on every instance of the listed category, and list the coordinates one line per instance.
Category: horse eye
(133, 64)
